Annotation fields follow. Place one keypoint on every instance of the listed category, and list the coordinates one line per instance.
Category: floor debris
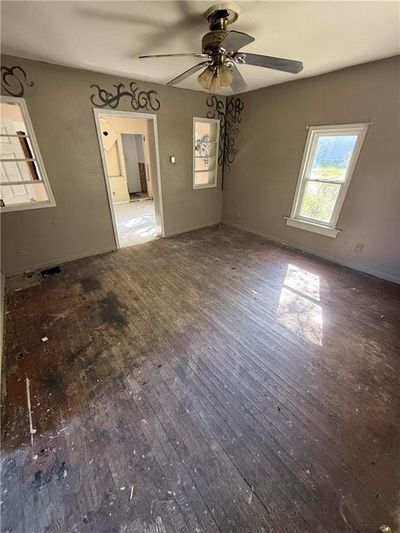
(50, 271)
(32, 430)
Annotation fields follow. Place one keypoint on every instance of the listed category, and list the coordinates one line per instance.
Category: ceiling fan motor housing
(218, 17)
(211, 41)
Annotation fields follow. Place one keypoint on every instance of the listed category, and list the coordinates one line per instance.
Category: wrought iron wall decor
(140, 99)
(14, 80)
(229, 115)
(217, 110)
(234, 108)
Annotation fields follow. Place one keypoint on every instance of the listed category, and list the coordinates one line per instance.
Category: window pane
(18, 171)
(204, 163)
(205, 131)
(332, 156)
(23, 194)
(319, 201)
(204, 178)
(12, 121)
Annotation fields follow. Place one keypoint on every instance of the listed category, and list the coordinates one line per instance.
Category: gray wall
(260, 188)
(139, 149)
(129, 143)
(80, 224)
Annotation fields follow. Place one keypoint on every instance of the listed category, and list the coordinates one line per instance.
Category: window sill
(205, 186)
(311, 226)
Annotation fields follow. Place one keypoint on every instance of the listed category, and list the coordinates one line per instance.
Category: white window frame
(314, 132)
(37, 158)
(215, 170)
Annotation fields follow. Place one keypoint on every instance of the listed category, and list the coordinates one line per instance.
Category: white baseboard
(192, 228)
(289, 244)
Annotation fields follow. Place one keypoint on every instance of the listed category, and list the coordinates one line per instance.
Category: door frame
(97, 112)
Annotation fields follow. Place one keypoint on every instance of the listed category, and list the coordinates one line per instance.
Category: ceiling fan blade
(238, 84)
(188, 72)
(276, 63)
(235, 40)
(174, 55)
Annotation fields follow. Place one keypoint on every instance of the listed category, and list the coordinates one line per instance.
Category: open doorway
(129, 150)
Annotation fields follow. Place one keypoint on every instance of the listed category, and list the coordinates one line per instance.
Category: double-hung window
(205, 152)
(23, 180)
(329, 159)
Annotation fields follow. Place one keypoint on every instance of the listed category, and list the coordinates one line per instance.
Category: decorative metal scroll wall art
(140, 99)
(229, 115)
(234, 108)
(217, 110)
(14, 80)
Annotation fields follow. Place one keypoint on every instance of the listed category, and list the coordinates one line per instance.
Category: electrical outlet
(237, 213)
(359, 247)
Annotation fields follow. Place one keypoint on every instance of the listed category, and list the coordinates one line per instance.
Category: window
(329, 160)
(205, 152)
(23, 180)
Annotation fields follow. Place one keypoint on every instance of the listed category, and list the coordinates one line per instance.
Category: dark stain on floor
(111, 310)
(90, 284)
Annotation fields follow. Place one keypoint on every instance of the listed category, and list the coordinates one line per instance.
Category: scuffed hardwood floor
(210, 382)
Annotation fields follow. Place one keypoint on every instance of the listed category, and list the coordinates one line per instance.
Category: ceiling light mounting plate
(220, 15)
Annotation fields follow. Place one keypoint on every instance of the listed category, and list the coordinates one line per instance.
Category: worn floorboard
(210, 382)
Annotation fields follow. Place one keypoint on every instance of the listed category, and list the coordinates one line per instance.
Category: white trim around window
(34, 159)
(325, 225)
(205, 154)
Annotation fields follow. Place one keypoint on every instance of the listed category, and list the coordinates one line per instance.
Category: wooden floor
(210, 382)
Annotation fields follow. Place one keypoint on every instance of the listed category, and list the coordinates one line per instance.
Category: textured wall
(62, 115)
(260, 188)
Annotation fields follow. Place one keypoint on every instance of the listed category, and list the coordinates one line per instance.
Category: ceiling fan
(220, 51)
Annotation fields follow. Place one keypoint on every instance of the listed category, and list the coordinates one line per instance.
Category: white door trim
(129, 114)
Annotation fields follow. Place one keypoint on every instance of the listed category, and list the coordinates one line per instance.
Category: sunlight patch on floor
(299, 310)
(135, 222)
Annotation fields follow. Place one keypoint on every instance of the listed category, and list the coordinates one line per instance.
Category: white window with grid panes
(205, 152)
(329, 160)
(23, 180)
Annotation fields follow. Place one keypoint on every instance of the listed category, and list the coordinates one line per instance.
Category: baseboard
(41, 266)
(191, 228)
(289, 244)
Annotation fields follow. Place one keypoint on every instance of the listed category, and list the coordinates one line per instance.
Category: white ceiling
(108, 36)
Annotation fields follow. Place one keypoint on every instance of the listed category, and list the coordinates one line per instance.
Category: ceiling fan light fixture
(215, 84)
(214, 78)
(205, 78)
(226, 76)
